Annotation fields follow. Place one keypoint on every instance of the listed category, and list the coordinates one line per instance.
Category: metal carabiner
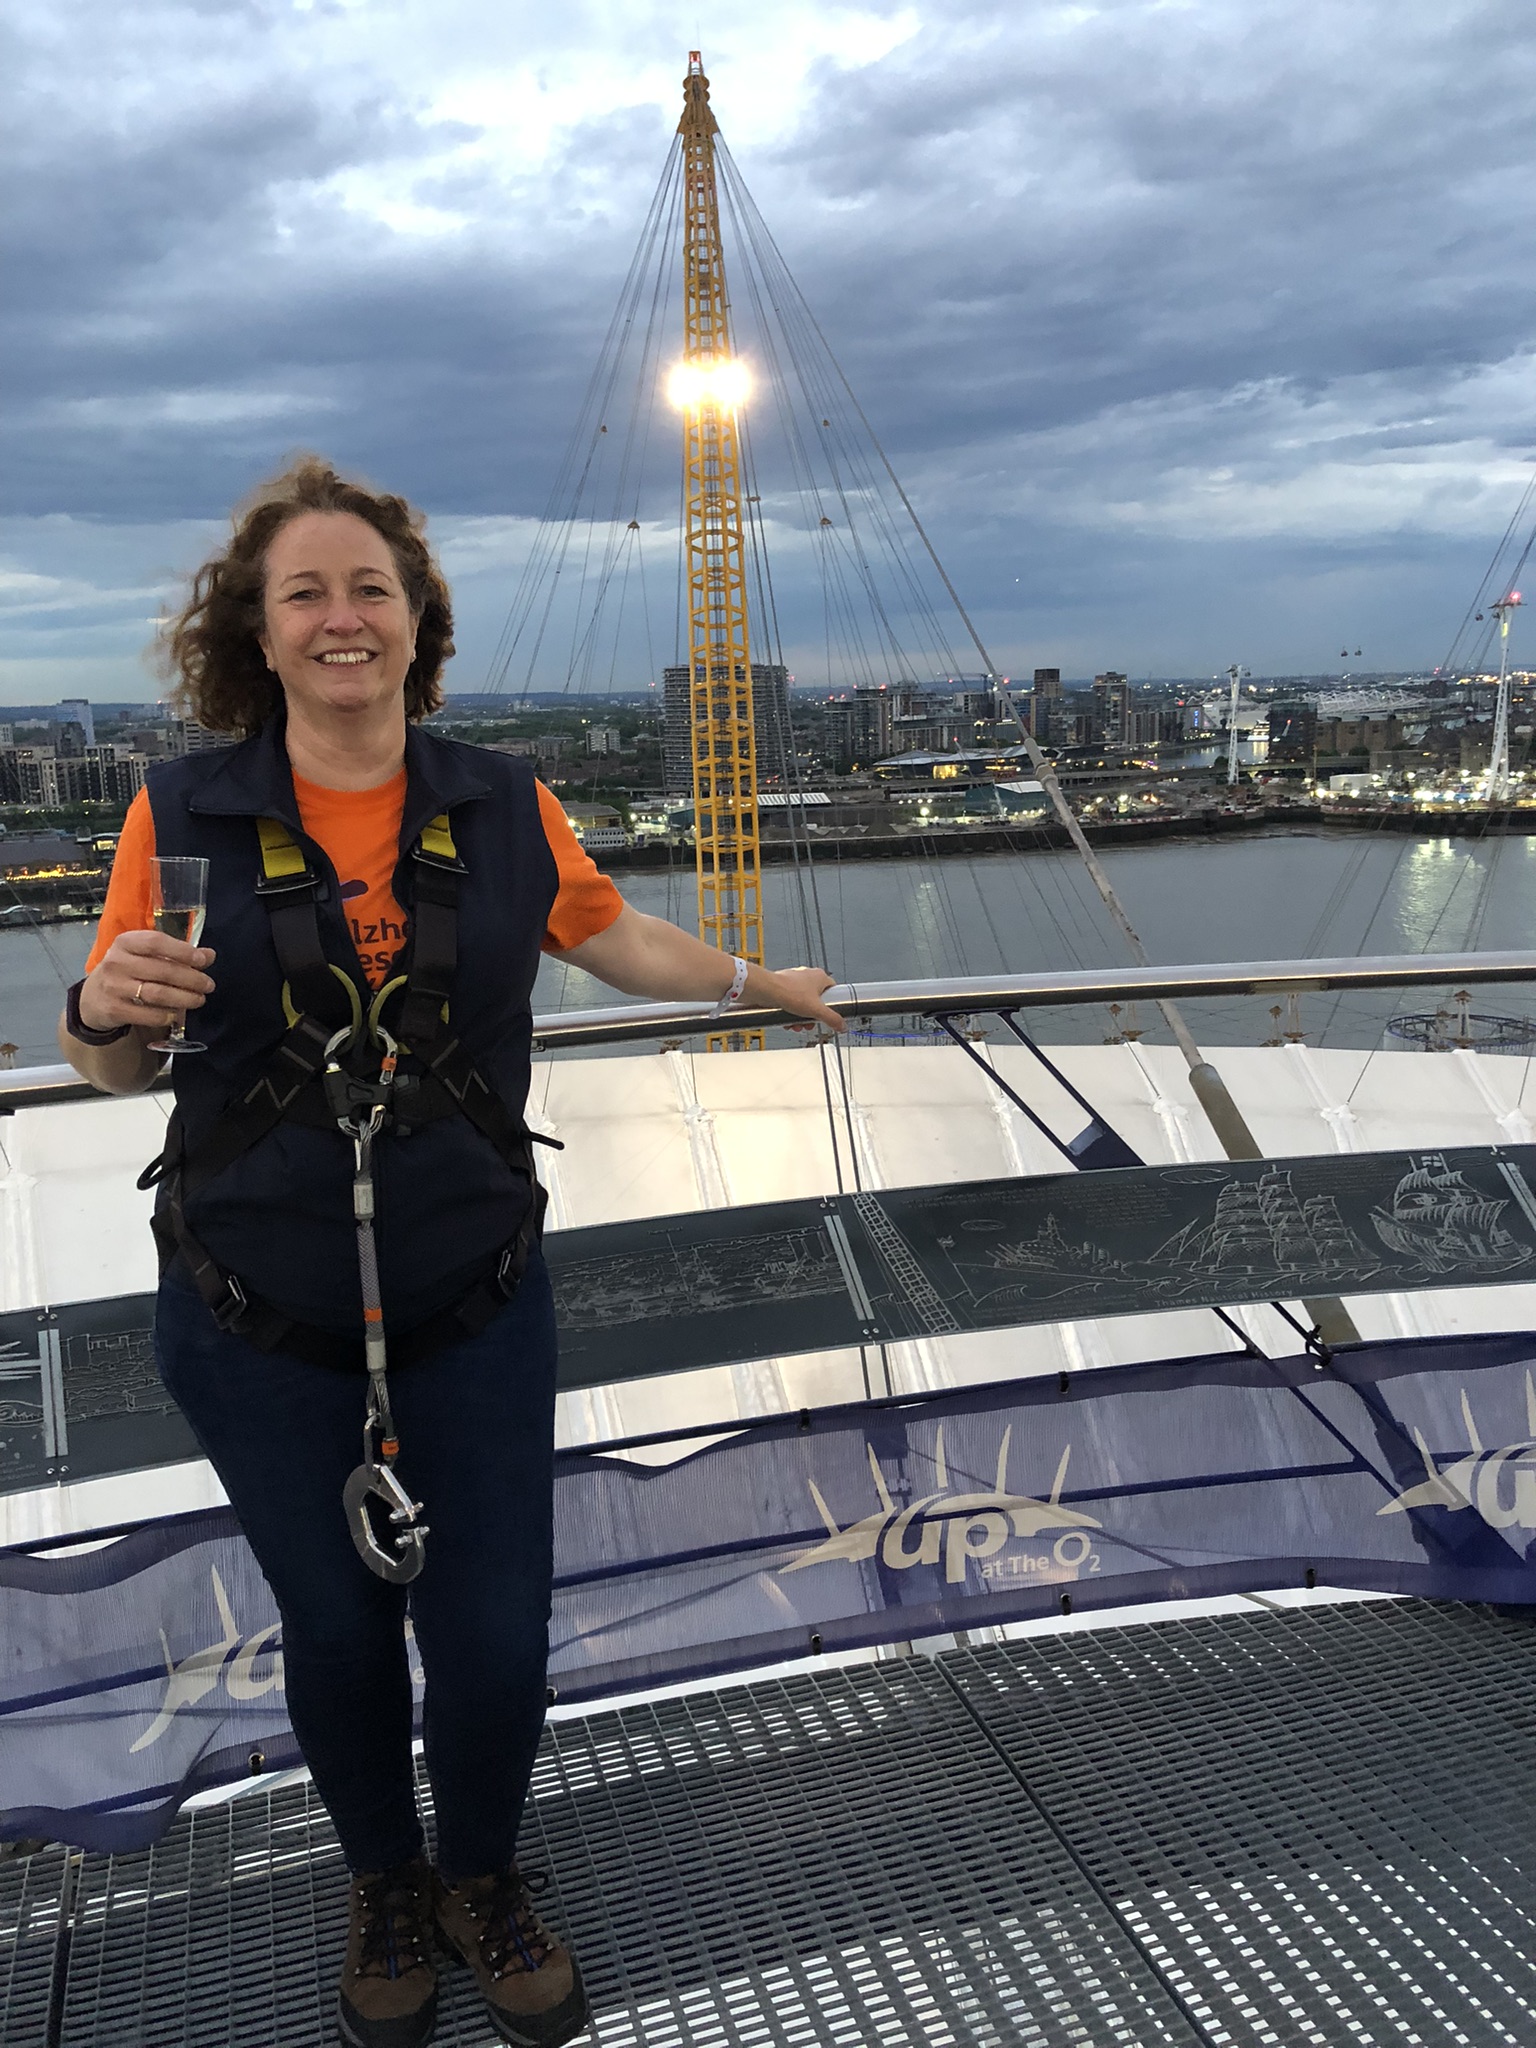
(407, 1553)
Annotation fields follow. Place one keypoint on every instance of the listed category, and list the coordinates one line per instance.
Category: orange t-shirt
(360, 831)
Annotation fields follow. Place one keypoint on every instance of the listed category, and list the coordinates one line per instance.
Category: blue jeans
(476, 1426)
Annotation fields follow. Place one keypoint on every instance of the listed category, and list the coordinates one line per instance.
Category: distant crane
(1235, 676)
(1497, 787)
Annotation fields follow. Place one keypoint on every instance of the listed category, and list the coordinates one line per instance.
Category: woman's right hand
(145, 978)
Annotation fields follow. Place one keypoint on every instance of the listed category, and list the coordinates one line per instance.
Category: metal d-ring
(373, 1020)
(351, 1031)
(401, 1563)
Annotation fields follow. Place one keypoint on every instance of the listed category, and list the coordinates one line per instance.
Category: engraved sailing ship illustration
(1442, 1224)
(1264, 1226)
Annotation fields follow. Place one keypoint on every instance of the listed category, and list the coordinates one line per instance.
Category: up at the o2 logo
(246, 1666)
(961, 1529)
(1498, 1485)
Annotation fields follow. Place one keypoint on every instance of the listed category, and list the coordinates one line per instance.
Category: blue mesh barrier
(138, 1672)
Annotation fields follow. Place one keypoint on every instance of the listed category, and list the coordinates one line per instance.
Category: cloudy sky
(1200, 330)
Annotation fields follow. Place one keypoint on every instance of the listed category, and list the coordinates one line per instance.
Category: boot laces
(392, 1905)
(513, 1934)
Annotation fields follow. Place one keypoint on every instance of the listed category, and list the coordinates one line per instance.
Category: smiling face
(338, 630)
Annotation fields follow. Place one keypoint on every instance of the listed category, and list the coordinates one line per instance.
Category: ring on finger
(138, 994)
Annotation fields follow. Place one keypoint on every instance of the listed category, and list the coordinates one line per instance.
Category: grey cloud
(1066, 256)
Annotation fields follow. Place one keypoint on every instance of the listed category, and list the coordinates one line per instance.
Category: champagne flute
(178, 900)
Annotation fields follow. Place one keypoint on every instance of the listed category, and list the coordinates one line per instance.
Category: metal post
(719, 643)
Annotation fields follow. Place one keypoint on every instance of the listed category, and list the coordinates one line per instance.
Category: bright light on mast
(724, 384)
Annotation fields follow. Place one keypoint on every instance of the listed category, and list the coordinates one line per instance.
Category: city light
(694, 385)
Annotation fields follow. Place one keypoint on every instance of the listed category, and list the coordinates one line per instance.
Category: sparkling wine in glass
(178, 901)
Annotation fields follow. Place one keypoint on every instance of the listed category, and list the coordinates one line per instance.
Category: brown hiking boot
(389, 1980)
(527, 1977)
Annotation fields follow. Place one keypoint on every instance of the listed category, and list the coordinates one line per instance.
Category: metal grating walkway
(1310, 1827)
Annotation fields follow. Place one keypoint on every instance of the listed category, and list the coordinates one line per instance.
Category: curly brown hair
(210, 646)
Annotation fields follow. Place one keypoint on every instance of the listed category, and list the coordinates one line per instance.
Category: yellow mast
(709, 386)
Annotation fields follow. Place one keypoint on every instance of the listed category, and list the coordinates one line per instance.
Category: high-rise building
(77, 711)
(859, 729)
(1112, 707)
(770, 720)
(45, 778)
(30, 775)
(199, 739)
(1045, 704)
(970, 697)
(105, 775)
(186, 736)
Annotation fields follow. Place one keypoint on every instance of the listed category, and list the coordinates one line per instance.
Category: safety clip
(404, 1536)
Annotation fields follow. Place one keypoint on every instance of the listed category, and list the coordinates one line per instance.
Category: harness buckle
(273, 888)
(234, 1308)
(350, 1100)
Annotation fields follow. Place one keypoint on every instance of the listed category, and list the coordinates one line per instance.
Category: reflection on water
(1478, 894)
(1281, 896)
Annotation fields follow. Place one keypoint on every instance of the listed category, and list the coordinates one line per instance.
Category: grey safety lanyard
(381, 1515)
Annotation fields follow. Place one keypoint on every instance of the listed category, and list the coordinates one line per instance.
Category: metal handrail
(973, 995)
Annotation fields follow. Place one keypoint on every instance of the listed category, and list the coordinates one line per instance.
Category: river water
(1280, 896)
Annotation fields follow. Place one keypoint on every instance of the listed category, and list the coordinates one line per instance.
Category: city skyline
(1196, 333)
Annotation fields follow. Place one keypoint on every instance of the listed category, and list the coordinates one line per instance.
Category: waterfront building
(1342, 737)
(926, 732)
(1152, 725)
(1292, 731)
(858, 729)
(598, 827)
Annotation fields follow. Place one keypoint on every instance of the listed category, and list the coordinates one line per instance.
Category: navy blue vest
(280, 1218)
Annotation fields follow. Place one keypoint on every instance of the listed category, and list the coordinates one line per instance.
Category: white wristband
(732, 995)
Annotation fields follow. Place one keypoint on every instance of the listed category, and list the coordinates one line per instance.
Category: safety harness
(338, 1066)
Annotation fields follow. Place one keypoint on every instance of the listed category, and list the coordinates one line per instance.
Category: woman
(369, 882)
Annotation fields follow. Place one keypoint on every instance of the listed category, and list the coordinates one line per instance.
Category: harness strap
(244, 1314)
(289, 889)
(296, 1063)
(434, 936)
(454, 1070)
